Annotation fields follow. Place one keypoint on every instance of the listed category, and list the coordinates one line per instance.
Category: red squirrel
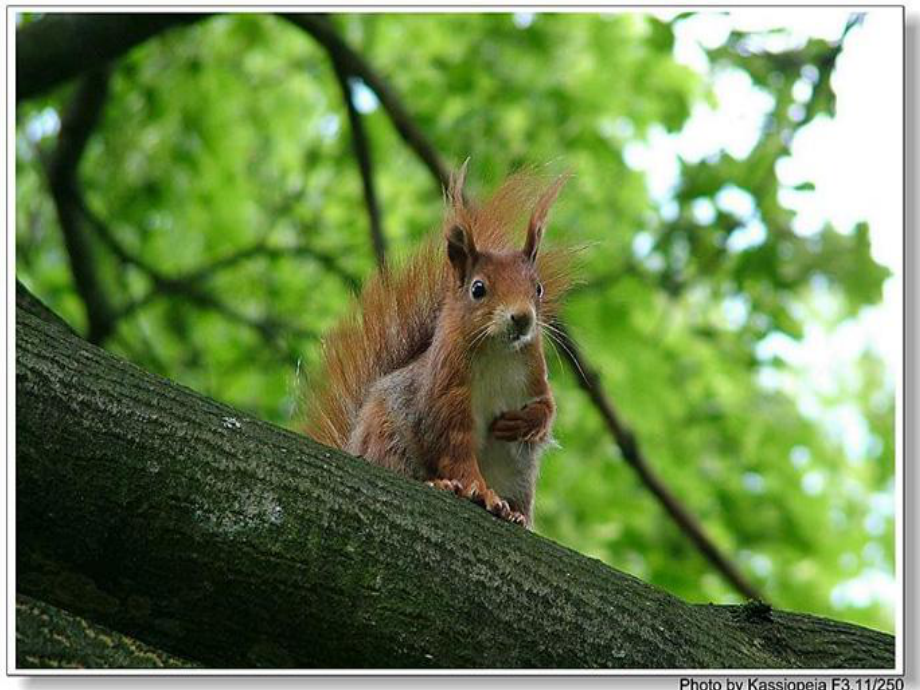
(440, 373)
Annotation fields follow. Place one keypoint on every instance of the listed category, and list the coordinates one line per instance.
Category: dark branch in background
(184, 283)
(363, 154)
(59, 47)
(590, 382)
(262, 249)
(77, 124)
(320, 28)
(79, 121)
(189, 287)
(115, 34)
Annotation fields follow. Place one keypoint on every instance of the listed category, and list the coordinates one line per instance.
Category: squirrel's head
(498, 287)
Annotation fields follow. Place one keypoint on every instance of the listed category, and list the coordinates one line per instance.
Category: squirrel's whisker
(559, 340)
(479, 335)
(549, 337)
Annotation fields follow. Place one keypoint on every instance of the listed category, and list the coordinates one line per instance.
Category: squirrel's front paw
(532, 423)
(487, 498)
(499, 507)
(505, 512)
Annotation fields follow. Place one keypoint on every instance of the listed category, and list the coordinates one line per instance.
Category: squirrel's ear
(537, 223)
(461, 251)
(455, 188)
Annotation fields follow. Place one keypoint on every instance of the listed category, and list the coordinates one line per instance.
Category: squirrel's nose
(521, 322)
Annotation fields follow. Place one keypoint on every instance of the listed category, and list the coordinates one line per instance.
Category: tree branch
(59, 47)
(191, 527)
(589, 381)
(261, 249)
(363, 155)
(77, 124)
(26, 302)
(324, 33)
(319, 27)
(189, 286)
(51, 50)
(48, 637)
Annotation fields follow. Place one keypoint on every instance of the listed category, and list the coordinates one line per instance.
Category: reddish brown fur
(418, 322)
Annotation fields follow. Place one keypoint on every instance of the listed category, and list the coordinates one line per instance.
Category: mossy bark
(50, 638)
(190, 526)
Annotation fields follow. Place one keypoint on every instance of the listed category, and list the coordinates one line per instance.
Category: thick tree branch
(26, 302)
(362, 150)
(319, 27)
(59, 47)
(189, 526)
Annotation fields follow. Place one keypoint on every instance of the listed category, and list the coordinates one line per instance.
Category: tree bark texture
(50, 638)
(197, 529)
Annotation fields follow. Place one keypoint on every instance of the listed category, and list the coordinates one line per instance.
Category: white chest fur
(499, 384)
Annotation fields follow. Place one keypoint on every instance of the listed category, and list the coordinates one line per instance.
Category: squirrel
(439, 374)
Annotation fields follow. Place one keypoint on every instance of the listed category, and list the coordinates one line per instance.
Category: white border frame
(380, 7)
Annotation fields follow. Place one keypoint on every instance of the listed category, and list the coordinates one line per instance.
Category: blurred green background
(223, 155)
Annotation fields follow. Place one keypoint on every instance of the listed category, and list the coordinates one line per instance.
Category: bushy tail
(394, 319)
(391, 325)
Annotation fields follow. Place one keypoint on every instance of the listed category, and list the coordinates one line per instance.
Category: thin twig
(589, 381)
(189, 287)
(362, 149)
(319, 27)
(189, 284)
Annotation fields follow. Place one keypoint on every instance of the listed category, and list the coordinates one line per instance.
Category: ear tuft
(538, 218)
(455, 187)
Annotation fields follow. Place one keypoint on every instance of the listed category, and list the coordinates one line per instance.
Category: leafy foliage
(223, 157)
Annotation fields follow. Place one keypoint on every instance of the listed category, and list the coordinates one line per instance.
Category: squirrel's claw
(506, 512)
(517, 518)
(475, 495)
(451, 485)
(500, 508)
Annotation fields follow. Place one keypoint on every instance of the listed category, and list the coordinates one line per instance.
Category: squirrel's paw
(530, 424)
(488, 499)
(505, 512)
(451, 485)
(498, 506)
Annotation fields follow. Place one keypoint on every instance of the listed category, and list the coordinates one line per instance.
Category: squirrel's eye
(478, 289)
(539, 290)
